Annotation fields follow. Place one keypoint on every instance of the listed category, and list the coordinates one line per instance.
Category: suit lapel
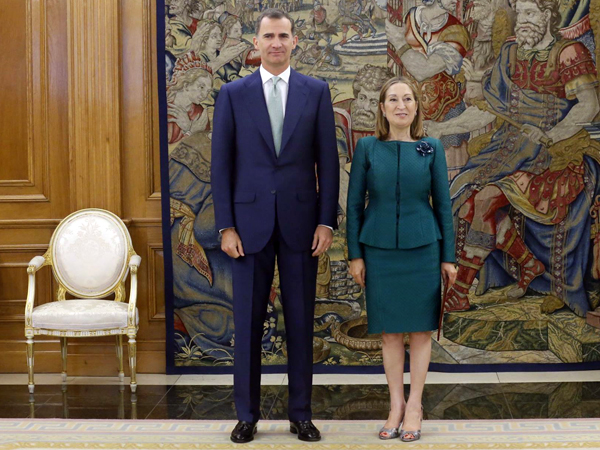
(296, 100)
(255, 102)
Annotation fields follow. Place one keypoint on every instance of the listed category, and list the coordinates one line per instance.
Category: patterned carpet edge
(41, 434)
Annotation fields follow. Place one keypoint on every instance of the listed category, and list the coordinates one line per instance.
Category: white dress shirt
(282, 85)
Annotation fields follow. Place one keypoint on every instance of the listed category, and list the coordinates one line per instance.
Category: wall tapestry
(509, 86)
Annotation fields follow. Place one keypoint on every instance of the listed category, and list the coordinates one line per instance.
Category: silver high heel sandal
(388, 433)
(416, 435)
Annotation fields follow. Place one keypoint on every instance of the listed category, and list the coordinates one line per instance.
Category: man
(350, 17)
(430, 47)
(321, 29)
(179, 39)
(355, 119)
(271, 129)
(545, 169)
(491, 22)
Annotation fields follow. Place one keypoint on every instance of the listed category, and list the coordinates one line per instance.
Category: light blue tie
(275, 107)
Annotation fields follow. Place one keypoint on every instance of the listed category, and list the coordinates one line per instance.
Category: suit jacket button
(273, 191)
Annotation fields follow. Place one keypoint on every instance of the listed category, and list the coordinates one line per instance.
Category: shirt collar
(265, 75)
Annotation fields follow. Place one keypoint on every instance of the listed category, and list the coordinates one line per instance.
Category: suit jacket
(399, 180)
(252, 187)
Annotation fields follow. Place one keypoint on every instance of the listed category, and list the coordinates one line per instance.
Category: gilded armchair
(91, 254)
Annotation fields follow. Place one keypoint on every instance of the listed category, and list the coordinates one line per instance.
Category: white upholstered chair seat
(80, 314)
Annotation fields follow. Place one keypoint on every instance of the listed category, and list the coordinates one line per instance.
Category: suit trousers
(252, 280)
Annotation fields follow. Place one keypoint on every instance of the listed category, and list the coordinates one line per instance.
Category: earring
(384, 115)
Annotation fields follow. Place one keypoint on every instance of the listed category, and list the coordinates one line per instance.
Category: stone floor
(335, 397)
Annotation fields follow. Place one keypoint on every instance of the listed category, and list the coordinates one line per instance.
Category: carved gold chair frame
(131, 264)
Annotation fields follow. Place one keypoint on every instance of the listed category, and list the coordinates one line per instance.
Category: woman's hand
(358, 271)
(448, 275)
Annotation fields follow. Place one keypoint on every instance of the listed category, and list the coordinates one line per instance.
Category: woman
(400, 245)
(431, 47)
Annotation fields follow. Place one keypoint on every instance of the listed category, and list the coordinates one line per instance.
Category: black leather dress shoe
(243, 432)
(305, 430)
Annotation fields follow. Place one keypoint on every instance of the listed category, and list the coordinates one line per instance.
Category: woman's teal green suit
(402, 237)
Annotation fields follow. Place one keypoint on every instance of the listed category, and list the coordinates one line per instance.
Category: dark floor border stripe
(434, 367)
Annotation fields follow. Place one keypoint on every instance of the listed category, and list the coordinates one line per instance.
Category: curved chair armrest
(134, 263)
(34, 265)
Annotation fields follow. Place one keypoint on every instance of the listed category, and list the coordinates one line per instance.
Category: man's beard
(529, 34)
(362, 118)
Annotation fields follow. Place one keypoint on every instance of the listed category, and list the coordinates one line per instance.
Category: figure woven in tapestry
(511, 89)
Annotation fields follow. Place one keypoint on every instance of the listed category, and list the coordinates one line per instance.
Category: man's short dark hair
(274, 13)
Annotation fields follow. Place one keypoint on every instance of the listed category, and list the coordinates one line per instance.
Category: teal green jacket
(399, 181)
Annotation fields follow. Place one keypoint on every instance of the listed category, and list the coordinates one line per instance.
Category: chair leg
(31, 385)
(132, 362)
(65, 401)
(121, 411)
(120, 357)
(134, 406)
(31, 406)
(63, 355)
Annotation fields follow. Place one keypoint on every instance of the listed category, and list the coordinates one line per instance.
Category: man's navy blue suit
(274, 206)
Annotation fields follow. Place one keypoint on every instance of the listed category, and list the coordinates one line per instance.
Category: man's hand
(322, 240)
(231, 243)
(226, 55)
(358, 271)
(534, 134)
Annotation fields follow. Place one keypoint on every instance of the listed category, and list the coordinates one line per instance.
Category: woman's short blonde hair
(382, 126)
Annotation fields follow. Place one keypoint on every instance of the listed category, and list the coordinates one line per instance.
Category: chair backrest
(90, 252)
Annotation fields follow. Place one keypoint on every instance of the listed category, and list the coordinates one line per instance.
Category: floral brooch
(424, 148)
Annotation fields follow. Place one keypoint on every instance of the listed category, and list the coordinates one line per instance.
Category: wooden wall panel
(155, 282)
(66, 144)
(13, 94)
(14, 260)
(24, 151)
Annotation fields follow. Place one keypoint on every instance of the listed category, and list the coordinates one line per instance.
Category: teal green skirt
(403, 288)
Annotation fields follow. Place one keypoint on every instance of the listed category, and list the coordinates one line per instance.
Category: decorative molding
(24, 248)
(151, 144)
(94, 49)
(153, 314)
(38, 171)
(25, 198)
(29, 45)
(29, 223)
(13, 318)
(45, 278)
(144, 222)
